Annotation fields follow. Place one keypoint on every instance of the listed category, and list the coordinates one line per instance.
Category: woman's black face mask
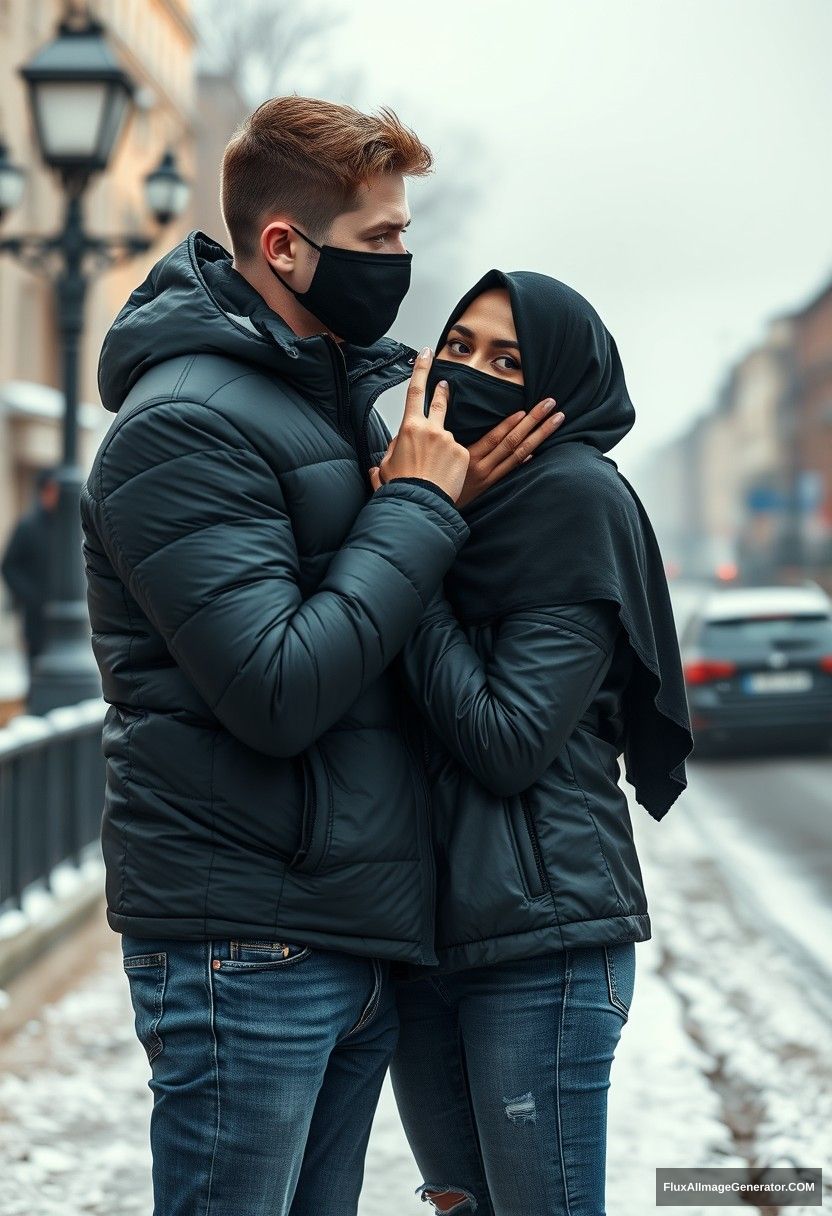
(355, 294)
(477, 401)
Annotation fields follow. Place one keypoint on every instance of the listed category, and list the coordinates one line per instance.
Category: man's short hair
(307, 158)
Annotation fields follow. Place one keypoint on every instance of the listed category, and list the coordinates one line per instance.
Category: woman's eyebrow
(469, 333)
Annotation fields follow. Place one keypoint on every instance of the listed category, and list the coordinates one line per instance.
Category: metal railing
(51, 794)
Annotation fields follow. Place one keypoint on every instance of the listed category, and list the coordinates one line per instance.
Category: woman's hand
(508, 445)
(502, 449)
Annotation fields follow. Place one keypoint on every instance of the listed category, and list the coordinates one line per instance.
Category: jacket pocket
(526, 846)
(316, 824)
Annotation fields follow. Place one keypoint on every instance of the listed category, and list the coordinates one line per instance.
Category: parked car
(758, 669)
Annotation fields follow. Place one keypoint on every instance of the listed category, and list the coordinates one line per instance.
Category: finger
(486, 444)
(439, 405)
(386, 458)
(414, 406)
(375, 478)
(527, 447)
(538, 417)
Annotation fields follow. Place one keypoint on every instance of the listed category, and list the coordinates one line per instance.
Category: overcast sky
(668, 158)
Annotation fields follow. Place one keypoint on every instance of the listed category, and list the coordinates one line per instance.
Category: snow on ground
(759, 1014)
(74, 1107)
(711, 997)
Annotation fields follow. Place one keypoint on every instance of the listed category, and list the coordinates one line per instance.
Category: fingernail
(549, 405)
(424, 353)
(442, 384)
(559, 416)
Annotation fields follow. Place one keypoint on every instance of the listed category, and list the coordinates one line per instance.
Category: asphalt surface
(784, 802)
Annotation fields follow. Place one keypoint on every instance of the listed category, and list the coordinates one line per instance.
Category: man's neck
(280, 300)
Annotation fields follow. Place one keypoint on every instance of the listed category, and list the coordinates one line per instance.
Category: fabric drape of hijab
(567, 526)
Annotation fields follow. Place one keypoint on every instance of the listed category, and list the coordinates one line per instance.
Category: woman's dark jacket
(554, 653)
(248, 594)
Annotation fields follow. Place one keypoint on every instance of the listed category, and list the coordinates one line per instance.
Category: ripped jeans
(501, 1077)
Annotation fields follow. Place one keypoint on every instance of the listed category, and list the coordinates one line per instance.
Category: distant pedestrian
(25, 565)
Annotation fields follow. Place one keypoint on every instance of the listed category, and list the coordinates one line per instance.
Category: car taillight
(702, 671)
(826, 663)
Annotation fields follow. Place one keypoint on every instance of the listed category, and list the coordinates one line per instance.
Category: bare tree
(263, 44)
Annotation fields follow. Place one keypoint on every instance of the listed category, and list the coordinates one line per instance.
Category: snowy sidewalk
(74, 1102)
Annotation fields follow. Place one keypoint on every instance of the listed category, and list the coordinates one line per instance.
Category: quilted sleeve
(194, 522)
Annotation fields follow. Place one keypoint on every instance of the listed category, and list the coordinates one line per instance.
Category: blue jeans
(267, 1061)
(501, 1076)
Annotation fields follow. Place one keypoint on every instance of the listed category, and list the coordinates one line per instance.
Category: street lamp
(79, 96)
(80, 99)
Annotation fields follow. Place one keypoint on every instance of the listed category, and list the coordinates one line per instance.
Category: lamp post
(80, 98)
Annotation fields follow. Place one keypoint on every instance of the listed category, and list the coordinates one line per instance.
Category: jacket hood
(567, 353)
(193, 301)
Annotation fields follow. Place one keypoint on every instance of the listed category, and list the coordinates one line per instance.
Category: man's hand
(508, 445)
(423, 448)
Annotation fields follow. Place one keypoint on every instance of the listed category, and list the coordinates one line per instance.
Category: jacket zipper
(308, 831)
(341, 411)
(358, 440)
(535, 843)
(364, 452)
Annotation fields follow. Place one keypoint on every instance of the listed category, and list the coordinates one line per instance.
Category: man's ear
(278, 243)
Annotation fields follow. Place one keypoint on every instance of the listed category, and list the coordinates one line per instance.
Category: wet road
(785, 802)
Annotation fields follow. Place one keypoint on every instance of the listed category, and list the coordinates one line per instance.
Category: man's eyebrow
(383, 225)
(469, 333)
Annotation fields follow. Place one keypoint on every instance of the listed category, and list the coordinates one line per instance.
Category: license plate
(777, 681)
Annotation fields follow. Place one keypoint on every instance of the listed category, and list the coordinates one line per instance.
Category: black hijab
(567, 526)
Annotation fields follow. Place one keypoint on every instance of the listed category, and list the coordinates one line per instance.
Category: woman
(554, 653)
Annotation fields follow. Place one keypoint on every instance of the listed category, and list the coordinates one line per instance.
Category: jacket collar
(194, 301)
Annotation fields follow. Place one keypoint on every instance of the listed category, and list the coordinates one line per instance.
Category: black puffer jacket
(532, 833)
(248, 594)
(554, 655)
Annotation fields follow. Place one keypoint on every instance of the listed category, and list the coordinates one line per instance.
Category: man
(25, 565)
(265, 828)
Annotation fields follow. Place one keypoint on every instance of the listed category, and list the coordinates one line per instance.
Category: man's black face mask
(476, 401)
(355, 294)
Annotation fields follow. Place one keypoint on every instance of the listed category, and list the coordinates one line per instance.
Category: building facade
(156, 42)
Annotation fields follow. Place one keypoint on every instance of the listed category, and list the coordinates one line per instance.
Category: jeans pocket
(146, 976)
(261, 955)
(620, 960)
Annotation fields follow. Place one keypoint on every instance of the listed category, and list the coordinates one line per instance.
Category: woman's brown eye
(454, 342)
